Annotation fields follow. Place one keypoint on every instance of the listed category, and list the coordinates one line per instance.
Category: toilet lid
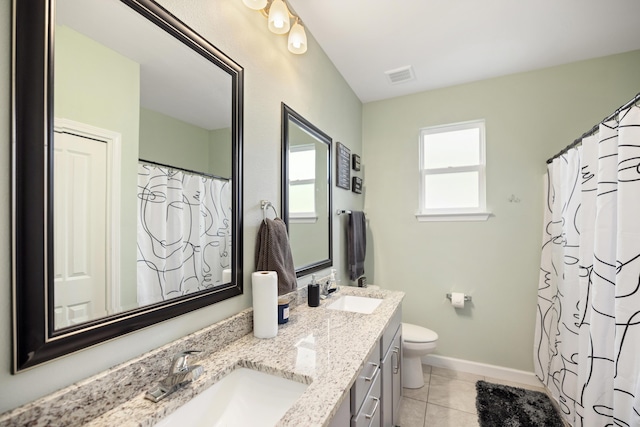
(415, 333)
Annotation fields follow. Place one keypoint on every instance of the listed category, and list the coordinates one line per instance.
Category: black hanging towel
(357, 244)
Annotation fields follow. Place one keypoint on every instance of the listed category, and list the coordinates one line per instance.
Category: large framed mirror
(127, 173)
(306, 192)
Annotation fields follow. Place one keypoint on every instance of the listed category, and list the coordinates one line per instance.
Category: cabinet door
(386, 370)
(395, 353)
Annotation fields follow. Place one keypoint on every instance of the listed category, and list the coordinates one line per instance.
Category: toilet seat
(417, 334)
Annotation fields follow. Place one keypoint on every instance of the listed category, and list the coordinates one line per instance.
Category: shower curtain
(184, 234)
(587, 339)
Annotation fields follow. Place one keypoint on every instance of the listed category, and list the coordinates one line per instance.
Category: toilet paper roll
(457, 299)
(265, 303)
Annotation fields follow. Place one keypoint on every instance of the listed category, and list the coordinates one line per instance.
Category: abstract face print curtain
(184, 233)
(587, 339)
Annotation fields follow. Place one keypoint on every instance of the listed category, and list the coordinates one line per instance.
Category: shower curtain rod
(596, 127)
(207, 175)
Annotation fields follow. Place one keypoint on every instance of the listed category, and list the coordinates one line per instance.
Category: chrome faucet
(328, 284)
(179, 376)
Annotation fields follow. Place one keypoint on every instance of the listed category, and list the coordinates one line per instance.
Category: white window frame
(479, 213)
(304, 217)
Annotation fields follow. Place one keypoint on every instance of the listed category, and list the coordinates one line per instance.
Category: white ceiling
(448, 42)
(174, 80)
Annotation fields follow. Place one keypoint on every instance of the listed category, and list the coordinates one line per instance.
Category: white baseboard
(506, 374)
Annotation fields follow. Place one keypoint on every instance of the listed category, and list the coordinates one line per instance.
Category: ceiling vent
(400, 75)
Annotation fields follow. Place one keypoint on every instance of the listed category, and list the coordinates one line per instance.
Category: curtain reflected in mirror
(306, 192)
(184, 238)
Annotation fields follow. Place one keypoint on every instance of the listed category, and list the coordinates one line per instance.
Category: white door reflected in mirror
(80, 232)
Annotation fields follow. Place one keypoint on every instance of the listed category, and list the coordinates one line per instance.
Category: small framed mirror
(306, 192)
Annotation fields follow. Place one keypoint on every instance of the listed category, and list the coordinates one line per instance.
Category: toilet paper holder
(466, 297)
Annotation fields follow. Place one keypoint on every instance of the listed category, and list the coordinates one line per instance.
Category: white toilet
(416, 342)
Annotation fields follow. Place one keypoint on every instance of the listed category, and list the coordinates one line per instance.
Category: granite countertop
(331, 333)
(318, 346)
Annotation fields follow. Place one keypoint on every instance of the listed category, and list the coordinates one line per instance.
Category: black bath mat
(504, 406)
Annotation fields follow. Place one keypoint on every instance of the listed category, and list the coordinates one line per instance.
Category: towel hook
(265, 204)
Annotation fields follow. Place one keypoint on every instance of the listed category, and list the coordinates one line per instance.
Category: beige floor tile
(457, 375)
(451, 397)
(453, 393)
(515, 384)
(412, 412)
(439, 416)
(419, 393)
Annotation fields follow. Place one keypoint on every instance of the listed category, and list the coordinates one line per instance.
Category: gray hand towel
(273, 253)
(357, 244)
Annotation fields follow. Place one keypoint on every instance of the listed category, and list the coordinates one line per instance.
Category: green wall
(170, 141)
(96, 86)
(529, 117)
(310, 84)
(220, 151)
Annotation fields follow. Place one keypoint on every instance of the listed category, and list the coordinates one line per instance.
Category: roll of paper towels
(265, 303)
(457, 299)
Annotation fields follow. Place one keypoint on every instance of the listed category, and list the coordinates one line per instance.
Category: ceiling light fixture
(297, 38)
(279, 22)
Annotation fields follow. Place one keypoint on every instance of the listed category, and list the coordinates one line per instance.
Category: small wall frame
(343, 166)
(355, 162)
(357, 185)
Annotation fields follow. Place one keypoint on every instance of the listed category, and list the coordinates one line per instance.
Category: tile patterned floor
(447, 399)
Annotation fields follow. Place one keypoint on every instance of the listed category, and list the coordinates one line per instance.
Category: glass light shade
(255, 4)
(279, 17)
(297, 39)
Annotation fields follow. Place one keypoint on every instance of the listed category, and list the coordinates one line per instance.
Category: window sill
(303, 219)
(459, 216)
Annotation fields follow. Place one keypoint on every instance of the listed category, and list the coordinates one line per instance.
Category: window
(302, 183)
(452, 172)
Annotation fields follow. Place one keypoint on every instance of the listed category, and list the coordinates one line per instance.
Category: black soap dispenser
(313, 292)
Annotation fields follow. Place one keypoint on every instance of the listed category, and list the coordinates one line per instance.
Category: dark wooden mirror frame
(34, 339)
(289, 115)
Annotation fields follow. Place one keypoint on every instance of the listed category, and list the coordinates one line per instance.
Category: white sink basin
(244, 397)
(356, 304)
